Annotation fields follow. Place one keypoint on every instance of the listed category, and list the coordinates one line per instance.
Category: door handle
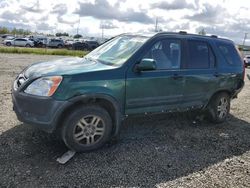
(216, 74)
(232, 75)
(176, 76)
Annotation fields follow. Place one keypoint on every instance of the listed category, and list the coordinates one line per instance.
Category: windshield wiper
(90, 59)
(99, 61)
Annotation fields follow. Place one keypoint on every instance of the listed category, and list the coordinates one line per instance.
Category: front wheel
(219, 108)
(87, 128)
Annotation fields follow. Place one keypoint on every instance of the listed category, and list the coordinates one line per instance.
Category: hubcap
(222, 108)
(89, 130)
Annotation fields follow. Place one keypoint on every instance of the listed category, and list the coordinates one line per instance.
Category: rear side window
(230, 53)
(200, 55)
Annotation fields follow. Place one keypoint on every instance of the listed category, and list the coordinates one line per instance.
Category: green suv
(86, 99)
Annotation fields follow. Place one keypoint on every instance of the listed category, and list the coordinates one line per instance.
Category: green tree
(4, 30)
(202, 32)
(62, 34)
(77, 36)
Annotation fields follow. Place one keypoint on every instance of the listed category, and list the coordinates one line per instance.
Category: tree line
(14, 31)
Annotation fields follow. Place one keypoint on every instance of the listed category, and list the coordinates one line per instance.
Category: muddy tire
(87, 128)
(219, 107)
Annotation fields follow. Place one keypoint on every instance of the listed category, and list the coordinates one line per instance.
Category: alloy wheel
(89, 130)
(222, 108)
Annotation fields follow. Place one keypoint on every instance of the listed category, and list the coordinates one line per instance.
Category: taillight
(242, 60)
(244, 70)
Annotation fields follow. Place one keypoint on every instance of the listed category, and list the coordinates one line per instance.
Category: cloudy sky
(227, 18)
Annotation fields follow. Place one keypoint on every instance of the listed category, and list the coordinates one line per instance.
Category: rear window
(230, 53)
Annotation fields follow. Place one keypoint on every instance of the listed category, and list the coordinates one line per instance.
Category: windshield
(118, 50)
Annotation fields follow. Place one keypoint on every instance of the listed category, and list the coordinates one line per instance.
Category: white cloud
(227, 18)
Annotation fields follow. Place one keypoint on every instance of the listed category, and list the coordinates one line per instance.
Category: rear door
(200, 74)
(160, 89)
(52, 43)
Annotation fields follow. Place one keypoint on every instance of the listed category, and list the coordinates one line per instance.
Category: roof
(184, 33)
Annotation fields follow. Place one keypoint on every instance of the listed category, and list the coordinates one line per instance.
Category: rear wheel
(87, 128)
(28, 45)
(59, 46)
(219, 108)
(8, 44)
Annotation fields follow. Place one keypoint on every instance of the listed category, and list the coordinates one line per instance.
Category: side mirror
(146, 65)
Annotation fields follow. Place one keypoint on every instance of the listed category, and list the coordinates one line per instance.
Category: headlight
(45, 86)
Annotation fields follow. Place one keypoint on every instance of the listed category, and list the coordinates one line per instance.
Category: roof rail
(183, 32)
(214, 36)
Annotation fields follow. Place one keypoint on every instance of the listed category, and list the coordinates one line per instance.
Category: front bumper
(42, 112)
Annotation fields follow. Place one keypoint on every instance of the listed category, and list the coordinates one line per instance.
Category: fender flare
(118, 117)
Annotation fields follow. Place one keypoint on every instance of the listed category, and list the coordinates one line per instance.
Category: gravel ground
(154, 151)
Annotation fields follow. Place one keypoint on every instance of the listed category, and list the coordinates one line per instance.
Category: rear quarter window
(230, 53)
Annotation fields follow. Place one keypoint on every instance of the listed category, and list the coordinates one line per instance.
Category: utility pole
(245, 37)
(102, 31)
(102, 28)
(77, 29)
(156, 24)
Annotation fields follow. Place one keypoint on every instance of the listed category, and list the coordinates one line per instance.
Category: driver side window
(166, 53)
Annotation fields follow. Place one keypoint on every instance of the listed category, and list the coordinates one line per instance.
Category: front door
(161, 89)
(17, 42)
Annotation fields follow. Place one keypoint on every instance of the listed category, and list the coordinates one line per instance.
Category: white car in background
(19, 42)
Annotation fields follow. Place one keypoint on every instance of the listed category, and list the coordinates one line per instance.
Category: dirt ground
(153, 151)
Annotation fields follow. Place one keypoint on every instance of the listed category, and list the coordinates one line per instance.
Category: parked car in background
(5, 37)
(10, 38)
(55, 43)
(24, 42)
(39, 42)
(78, 46)
(92, 44)
(247, 60)
(86, 99)
(68, 43)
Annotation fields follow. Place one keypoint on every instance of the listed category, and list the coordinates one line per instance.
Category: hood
(65, 66)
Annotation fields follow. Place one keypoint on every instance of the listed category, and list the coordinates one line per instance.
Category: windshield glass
(118, 50)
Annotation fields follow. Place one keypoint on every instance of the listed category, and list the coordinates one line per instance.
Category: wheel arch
(105, 101)
(218, 92)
